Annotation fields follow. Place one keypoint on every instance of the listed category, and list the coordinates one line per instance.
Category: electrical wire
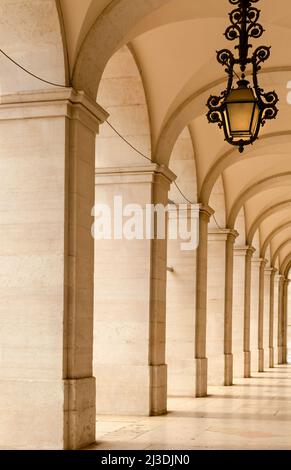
(216, 223)
(182, 194)
(30, 73)
(127, 142)
(107, 122)
(192, 203)
(150, 160)
(144, 156)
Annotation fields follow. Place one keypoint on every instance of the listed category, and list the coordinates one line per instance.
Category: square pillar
(262, 322)
(285, 322)
(241, 310)
(219, 306)
(289, 325)
(130, 296)
(254, 321)
(276, 317)
(201, 303)
(247, 311)
(181, 298)
(280, 320)
(228, 308)
(271, 318)
(47, 154)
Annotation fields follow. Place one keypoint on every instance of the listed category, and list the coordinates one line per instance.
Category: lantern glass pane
(255, 119)
(240, 116)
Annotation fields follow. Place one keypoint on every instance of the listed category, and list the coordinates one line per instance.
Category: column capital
(273, 271)
(133, 174)
(260, 262)
(251, 251)
(281, 278)
(244, 250)
(52, 103)
(232, 235)
(223, 234)
(206, 212)
(269, 270)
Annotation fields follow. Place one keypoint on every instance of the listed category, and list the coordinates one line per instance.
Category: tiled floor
(253, 414)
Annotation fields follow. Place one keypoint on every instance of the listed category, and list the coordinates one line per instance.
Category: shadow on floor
(229, 416)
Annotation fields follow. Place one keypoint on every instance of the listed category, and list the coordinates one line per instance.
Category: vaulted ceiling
(175, 48)
(174, 44)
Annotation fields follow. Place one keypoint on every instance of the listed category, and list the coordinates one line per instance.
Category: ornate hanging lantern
(242, 109)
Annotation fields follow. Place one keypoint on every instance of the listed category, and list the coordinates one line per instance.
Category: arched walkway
(176, 347)
(255, 414)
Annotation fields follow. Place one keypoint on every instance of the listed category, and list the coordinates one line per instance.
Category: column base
(80, 413)
(201, 377)
(228, 370)
(280, 355)
(271, 358)
(247, 364)
(158, 391)
(261, 360)
(285, 355)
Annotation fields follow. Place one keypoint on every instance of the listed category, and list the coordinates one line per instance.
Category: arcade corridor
(173, 339)
(253, 414)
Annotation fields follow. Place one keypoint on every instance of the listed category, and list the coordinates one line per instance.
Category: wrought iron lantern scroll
(241, 110)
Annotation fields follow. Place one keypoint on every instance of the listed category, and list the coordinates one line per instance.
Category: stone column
(228, 354)
(201, 302)
(271, 318)
(261, 351)
(247, 311)
(181, 295)
(219, 306)
(266, 318)
(276, 317)
(47, 155)
(285, 322)
(130, 295)
(289, 326)
(241, 310)
(254, 329)
(280, 319)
